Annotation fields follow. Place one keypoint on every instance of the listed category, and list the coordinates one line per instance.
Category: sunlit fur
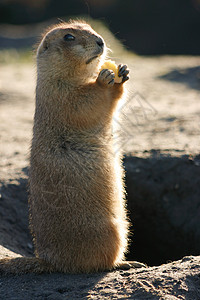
(77, 207)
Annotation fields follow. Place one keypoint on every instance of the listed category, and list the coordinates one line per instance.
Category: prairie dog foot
(106, 77)
(126, 265)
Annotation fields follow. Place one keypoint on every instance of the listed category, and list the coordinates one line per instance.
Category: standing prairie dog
(77, 206)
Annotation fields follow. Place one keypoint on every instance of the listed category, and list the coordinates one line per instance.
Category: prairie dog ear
(44, 45)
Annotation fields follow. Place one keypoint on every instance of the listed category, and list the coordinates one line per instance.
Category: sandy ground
(165, 99)
(162, 112)
(165, 282)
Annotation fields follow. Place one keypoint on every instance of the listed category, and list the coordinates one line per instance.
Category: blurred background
(147, 27)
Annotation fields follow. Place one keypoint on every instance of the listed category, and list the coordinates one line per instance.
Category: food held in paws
(109, 64)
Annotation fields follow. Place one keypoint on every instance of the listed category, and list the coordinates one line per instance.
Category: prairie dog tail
(23, 265)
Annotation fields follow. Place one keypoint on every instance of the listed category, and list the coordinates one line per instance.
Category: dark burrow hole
(163, 196)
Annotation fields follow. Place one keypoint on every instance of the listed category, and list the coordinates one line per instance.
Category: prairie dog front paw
(120, 71)
(123, 72)
(106, 77)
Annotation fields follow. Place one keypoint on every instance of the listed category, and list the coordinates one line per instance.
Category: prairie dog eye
(69, 37)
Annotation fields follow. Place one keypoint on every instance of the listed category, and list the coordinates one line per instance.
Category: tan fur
(77, 210)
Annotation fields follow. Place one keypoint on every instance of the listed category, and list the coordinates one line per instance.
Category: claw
(125, 79)
(111, 82)
(126, 265)
(122, 69)
(124, 74)
(111, 74)
(103, 71)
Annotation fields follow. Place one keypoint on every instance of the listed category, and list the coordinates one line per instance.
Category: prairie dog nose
(100, 42)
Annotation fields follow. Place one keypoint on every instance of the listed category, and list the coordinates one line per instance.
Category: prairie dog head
(70, 50)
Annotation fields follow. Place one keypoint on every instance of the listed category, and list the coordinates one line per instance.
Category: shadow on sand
(187, 76)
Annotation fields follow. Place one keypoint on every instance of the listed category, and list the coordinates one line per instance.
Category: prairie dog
(77, 204)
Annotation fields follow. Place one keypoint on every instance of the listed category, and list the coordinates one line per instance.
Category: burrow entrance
(163, 196)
